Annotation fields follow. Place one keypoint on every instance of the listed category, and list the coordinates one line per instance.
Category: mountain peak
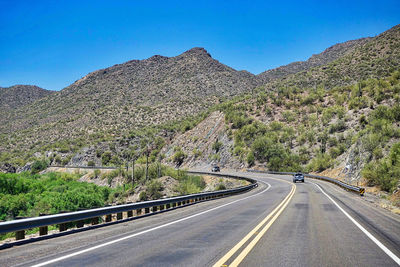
(197, 51)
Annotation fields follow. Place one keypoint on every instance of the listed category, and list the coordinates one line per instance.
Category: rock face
(197, 144)
(8, 168)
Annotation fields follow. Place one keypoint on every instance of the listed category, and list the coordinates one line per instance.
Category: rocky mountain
(373, 57)
(19, 95)
(151, 102)
(111, 102)
(330, 54)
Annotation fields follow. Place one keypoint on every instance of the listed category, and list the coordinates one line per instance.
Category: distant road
(277, 224)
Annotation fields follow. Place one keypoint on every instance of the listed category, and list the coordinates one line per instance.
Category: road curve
(302, 229)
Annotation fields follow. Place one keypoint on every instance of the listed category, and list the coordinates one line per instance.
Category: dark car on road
(215, 169)
(298, 177)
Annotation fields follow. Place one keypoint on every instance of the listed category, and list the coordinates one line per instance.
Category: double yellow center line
(275, 213)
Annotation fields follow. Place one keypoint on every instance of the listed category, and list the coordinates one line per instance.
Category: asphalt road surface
(277, 224)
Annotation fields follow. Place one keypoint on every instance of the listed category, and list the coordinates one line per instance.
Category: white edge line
(376, 241)
(146, 231)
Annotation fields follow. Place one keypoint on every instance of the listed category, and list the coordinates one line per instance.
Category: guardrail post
(168, 206)
(62, 227)
(43, 230)
(19, 235)
(138, 212)
(108, 218)
(129, 213)
(162, 207)
(95, 220)
(154, 209)
(173, 204)
(146, 210)
(80, 224)
(119, 216)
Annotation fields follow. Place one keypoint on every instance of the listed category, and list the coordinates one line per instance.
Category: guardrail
(359, 190)
(104, 214)
(84, 167)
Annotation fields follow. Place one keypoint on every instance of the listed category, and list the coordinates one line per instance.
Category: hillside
(110, 104)
(20, 95)
(375, 58)
(328, 55)
(354, 130)
(193, 111)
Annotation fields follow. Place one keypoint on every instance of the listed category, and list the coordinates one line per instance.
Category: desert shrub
(385, 172)
(190, 184)
(250, 159)
(339, 126)
(154, 189)
(91, 163)
(220, 186)
(39, 165)
(178, 157)
(319, 163)
(106, 157)
(217, 146)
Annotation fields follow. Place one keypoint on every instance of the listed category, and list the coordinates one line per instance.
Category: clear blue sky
(54, 43)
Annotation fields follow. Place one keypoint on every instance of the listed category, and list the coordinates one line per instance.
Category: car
(215, 169)
(298, 177)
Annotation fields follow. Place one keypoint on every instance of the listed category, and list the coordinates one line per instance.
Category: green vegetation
(32, 194)
(39, 165)
(179, 156)
(314, 126)
(385, 172)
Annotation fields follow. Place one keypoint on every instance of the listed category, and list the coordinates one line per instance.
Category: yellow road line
(253, 242)
(230, 253)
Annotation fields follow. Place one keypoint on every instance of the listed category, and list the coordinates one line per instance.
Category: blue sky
(54, 43)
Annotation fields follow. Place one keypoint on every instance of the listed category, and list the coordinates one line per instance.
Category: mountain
(373, 57)
(111, 102)
(330, 54)
(147, 103)
(19, 95)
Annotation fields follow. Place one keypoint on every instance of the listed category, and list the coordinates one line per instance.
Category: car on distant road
(298, 177)
(215, 169)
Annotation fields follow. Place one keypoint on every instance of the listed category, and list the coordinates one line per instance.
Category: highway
(277, 224)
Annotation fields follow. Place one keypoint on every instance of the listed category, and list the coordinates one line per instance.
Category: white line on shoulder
(376, 241)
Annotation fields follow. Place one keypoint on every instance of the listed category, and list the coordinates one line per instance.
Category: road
(277, 224)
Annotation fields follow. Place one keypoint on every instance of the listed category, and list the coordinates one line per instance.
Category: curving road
(277, 224)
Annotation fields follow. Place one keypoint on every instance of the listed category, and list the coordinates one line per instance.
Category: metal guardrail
(19, 226)
(357, 189)
(84, 167)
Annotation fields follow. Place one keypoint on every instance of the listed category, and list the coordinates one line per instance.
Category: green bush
(178, 157)
(320, 163)
(30, 194)
(106, 157)
(250, 159)
(91, 163)
(154, 189)
(385, 172)
(217, 146)
(39, 165)
(220, 186)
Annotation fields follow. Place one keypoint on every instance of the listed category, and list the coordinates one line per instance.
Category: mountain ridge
(19, 95)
